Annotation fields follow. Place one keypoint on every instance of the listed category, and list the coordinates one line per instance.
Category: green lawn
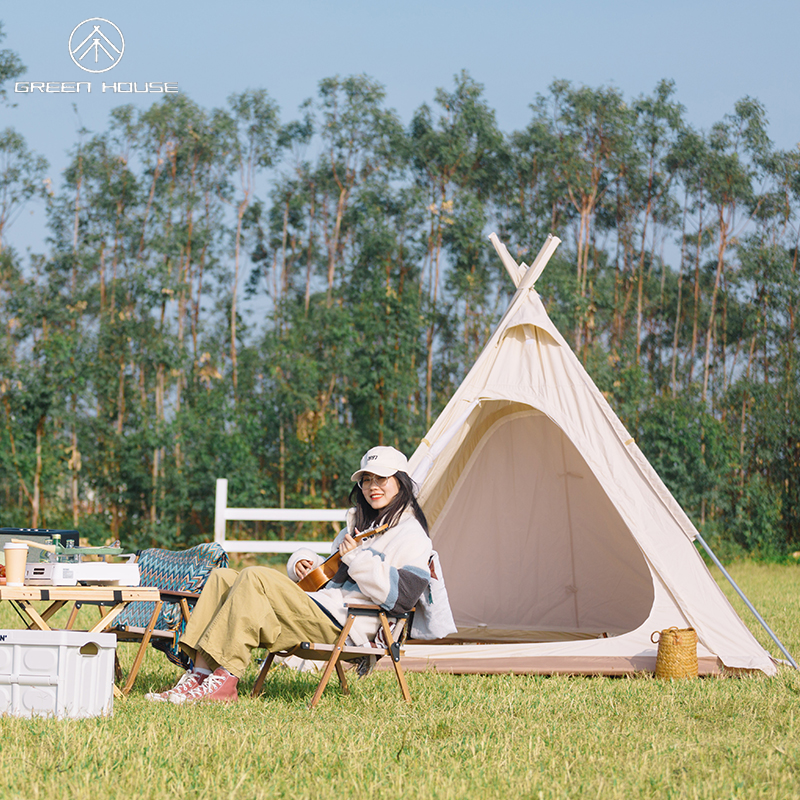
(464, 736)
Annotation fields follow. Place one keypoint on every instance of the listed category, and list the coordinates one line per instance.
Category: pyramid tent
(562, 549)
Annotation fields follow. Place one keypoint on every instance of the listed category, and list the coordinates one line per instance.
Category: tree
(250, 130)
(591, 130)
(10, 67)
(456, 156)
(730, 184)
(21, 178)
(132, 374)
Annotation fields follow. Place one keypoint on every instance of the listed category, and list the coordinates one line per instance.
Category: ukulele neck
(371, 532)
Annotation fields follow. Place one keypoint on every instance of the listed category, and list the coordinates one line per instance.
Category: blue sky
(715, 52)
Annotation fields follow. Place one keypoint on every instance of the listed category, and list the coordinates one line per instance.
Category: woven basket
(677, 653)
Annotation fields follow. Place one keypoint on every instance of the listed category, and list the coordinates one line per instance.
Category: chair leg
(342, 677)
(262, 674)
(186, 612)
(72, 615)
(137, 662)
(333, 661)
(398, 669)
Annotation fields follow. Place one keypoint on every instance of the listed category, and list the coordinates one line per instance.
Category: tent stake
(746, 601)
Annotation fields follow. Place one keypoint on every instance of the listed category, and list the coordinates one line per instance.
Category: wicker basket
(677, 653)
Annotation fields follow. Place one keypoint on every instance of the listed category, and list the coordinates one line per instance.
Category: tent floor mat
(708, 666)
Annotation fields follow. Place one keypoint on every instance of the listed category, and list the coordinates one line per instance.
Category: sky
(715, 52)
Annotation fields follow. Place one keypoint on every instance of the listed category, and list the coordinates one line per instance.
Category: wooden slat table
(111, 600)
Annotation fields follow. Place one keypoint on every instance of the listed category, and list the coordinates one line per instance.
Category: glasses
(366, 480)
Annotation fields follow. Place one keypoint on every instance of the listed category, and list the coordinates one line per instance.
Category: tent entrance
(532, 546)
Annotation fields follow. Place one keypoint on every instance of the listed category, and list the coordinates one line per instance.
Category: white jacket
(433, 618)
(390, 569)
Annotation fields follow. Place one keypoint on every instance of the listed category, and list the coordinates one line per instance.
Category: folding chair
(335, 654)
(180, 575)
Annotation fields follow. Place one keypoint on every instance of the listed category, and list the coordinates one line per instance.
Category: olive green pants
(257, 607)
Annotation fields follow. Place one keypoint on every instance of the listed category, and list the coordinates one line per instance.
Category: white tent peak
(562, 548)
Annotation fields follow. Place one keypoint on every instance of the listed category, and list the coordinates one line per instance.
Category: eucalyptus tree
(286, 249)
(140, 218)
(659, 122)
(177, 148)
(689, 152)
(126, 322)
(32, 387)
(22, 178)
(249, 128)
(359, 137)
(10, 66)
(109, 224)
(533, 201)
(19, 417)
(634, 287)
(92, 222)
(761, 396)
(310, 239)
(383, 295)
(41, 362)
(457, 152)
(341, 377)
(738, 150)
(23, 327)
(590, 134)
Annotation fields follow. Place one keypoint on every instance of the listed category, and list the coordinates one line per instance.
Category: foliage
(225, 293)
(10, 67)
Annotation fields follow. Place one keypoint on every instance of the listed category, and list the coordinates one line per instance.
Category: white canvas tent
(562, 549)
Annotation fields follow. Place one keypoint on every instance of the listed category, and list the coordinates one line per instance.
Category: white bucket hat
(381, 461)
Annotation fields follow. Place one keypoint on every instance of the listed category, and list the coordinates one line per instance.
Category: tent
(562, 549)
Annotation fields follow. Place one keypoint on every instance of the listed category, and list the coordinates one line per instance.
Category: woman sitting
(260, 607)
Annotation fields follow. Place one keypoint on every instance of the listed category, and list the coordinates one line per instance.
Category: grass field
(464, 736)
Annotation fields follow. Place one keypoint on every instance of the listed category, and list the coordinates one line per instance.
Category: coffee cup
(16, 558)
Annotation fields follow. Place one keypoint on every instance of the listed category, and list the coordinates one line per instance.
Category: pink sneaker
(189, 681)
(220, 686)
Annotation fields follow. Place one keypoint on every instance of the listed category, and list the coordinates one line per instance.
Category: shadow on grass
(289, 685)
(282, 684)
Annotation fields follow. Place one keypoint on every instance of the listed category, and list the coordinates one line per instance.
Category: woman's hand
(348, 544)
(303, 567)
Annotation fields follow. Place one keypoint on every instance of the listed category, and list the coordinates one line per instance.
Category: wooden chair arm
(175, 595)
(376, 608)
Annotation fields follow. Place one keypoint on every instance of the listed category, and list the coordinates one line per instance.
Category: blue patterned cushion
(177, 571)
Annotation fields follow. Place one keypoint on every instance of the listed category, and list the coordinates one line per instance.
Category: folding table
(111, 599)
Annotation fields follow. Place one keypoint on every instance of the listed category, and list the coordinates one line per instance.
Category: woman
(260, 607)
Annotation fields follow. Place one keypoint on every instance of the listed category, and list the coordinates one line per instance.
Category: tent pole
(744, 598)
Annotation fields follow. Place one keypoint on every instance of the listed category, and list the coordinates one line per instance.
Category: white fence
(222, 514)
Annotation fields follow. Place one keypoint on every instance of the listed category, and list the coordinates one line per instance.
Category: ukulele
(318, 577)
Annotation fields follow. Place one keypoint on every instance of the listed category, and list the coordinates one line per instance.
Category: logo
(96, 45)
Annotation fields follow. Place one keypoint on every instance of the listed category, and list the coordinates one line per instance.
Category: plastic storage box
(56, 673)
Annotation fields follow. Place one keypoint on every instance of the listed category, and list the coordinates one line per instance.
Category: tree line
(227, 293)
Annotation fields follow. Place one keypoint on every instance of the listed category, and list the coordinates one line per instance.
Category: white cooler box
(56, 673)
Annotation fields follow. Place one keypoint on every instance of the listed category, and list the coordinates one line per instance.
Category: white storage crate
(56, 673)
